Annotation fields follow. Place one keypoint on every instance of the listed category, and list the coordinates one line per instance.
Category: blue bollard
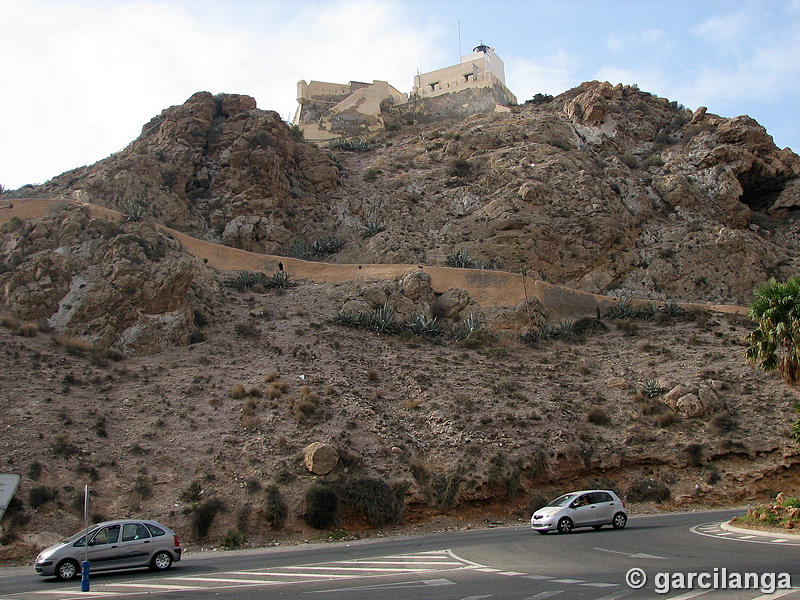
(85, 576)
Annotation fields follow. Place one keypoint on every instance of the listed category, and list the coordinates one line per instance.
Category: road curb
(733, 529)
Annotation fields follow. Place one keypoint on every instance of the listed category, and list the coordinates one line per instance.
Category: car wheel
(565, 525)
(597, 526)
(619, 521)
(67, 569)
(161, 561)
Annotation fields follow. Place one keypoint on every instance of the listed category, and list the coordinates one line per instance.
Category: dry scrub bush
(249, 407)
(73, 344)
(281, 386)
(372, 374)
(271, 377)
(304, 405)
(666, 419)
(598, 416)
(238, 392)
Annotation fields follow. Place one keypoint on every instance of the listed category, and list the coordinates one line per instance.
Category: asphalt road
(511, 563)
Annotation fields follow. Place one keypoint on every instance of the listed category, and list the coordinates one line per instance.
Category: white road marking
(543, 595)
(778, 541)
(538, 577)
(568, 581)
(223, 580)
(617, 595)
(778, 594)
(512, 573)
(478, 597)
(401, 584)
(72, 592)
(359, 569)
(688, 595)
(600, 585)
(155, 586)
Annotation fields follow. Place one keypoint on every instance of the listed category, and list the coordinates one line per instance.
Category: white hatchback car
(587, 508)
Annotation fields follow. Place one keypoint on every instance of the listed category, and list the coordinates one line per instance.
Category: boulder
(320, 458)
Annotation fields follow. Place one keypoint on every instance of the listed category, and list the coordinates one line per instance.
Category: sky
(80, 78)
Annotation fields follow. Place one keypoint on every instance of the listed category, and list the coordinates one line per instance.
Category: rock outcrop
(213, 166)
(128, 286)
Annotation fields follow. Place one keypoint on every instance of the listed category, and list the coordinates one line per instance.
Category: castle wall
(479, 69)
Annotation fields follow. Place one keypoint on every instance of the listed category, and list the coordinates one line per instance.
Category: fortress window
(433, 85)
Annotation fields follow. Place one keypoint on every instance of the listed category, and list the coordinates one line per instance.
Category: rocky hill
(188, 393)
(608, 189)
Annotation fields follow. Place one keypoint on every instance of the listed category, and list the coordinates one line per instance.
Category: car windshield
(78, 537)
(562, 500)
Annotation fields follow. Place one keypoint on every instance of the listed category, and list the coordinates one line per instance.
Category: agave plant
(372, 228)
(133, 212)
(422, 325)
(381, 319)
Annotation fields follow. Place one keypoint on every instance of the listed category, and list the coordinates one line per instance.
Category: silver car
(587, 508)
(124, 544)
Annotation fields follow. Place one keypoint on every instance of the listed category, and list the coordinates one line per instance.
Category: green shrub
(41, 494)
(503, 477)
(648, 489)
(35, 470)
(202, 515)
(234, 539)
(61, 446)
(535, 502)
(322, 506)
(141, 487)
(352, 145)
(695, 453)
(373, 499)
(459, 167)
(275, 510)
(193, 492)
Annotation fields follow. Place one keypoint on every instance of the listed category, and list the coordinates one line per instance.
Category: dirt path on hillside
(489, 288)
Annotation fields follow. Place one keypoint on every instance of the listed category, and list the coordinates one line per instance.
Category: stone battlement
(327, 111)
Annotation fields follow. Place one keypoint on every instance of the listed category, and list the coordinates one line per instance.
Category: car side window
(156, 531)
(603, 497)
(107, 535)
(134, 531)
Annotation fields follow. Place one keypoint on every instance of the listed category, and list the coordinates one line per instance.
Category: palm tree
(775, 343)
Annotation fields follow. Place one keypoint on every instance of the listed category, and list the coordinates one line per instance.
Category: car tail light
(177, 543)
(623, 504)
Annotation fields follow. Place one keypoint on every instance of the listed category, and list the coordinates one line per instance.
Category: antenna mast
(459, 39)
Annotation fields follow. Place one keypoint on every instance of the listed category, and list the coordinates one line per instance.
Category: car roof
(123, 521)
(588, 491)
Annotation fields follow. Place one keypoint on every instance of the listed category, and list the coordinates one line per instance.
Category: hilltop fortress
(333, 110)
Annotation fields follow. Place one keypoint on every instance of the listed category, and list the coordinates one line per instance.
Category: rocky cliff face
(607, 188)
(128, 286)
(215, 166)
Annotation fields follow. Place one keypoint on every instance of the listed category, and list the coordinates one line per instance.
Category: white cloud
(551, 75)
(722, 27)
(89, 76)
